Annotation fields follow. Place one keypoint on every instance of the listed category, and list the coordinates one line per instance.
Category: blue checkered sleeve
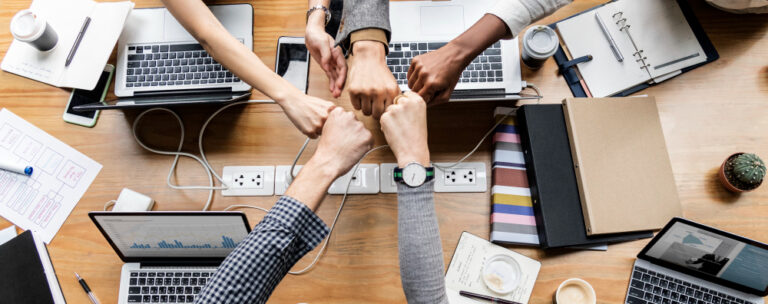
(252, 271)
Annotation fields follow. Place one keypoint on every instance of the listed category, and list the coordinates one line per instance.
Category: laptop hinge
(181, 263)
(183, 92)
(462, 94)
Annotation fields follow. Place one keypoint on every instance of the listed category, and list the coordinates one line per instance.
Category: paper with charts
(43, 201)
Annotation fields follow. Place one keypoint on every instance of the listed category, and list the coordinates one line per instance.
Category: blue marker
(15, 167)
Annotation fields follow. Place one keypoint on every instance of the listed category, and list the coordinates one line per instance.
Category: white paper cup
(27, 26)
(575, 291)
(539, 43)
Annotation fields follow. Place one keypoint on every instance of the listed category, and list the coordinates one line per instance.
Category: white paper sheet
(43, 201)
(7, 234)
(466, 269)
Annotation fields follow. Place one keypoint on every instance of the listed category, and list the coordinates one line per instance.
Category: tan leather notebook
(622, 166)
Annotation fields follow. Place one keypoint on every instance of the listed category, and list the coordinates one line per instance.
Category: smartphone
(80, 97)
(293, 61)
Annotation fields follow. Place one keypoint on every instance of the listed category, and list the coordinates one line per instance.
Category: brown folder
(621, 162)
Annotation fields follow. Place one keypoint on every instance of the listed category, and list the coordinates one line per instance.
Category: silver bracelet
(320, 7)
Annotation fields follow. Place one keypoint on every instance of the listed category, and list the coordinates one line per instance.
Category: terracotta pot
(724, 180)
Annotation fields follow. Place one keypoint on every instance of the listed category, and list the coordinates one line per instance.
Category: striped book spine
(512, 219)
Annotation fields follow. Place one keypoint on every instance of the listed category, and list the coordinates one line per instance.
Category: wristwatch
(414, 174)
(320, 7)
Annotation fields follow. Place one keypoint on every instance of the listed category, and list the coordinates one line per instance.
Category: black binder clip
(566, 68)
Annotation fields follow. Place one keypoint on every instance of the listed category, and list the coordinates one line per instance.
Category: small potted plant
(742, 172)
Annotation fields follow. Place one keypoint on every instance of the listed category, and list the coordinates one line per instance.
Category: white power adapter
(130, 201)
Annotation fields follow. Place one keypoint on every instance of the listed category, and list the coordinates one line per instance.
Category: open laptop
(169, 256)
(688, 262)
(160, 64)
(423, 26)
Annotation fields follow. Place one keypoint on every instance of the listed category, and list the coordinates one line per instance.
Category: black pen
(87, 290)
(487, 298)
(77, 41)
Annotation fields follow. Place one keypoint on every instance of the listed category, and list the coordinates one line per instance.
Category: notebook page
(604, 75)
(662, 32)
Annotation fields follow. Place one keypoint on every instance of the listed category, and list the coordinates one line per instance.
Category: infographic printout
(61, 175)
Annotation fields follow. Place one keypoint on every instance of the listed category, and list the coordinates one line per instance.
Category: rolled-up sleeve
(251, 272)
(518, 14)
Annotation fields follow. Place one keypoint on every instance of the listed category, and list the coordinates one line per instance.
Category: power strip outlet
(249, 181)
(386, 175)
(282, 179)
(465, 177)
(364, 181)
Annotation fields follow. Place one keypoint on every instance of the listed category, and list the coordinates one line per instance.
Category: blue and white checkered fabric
(252, 271)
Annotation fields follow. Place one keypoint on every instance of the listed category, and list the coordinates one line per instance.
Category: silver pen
(608, 37)
(87, 289)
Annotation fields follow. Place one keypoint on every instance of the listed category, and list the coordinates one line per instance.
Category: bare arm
(307, 113)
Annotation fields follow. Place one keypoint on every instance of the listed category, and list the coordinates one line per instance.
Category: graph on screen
(174, 236)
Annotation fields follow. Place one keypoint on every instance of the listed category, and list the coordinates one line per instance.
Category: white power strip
(369, 179)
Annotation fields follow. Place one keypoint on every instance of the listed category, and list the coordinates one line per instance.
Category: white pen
(15, 167)
(608, 36)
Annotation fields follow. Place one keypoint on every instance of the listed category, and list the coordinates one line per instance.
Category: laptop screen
(711, 253)
(138, 236)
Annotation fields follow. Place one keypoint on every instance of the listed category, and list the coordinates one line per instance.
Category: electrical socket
(387, 178)
(465, 177)
(248, 180)
(282, 178)
(364, 181)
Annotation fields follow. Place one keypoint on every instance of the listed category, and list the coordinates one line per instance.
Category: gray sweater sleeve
(421, 252)
(362, 14)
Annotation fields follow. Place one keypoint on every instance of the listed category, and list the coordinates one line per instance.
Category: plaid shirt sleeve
(252, 271)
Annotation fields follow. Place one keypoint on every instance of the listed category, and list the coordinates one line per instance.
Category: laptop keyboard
(166, 286)
(485, 68)
(175, 64)
(651, 287)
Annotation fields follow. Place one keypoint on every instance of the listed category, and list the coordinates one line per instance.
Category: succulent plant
(749, 168)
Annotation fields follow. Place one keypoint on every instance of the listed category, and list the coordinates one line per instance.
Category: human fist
(371, 84)
(405, 126)
(434, 75)
(345, 139)
(308, 114)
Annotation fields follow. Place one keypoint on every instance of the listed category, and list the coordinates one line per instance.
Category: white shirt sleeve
(518, 14)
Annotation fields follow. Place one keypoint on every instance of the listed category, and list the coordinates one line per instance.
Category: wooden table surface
(707, 114)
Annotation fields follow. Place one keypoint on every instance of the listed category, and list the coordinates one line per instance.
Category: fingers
(367, 104)
(414, 73)
(427, 92)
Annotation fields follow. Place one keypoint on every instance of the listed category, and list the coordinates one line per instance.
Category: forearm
(517, 14)
(363, 14)
(485, 32)
(252, 271)
(200, 22)
(317, 18)
(421, 252)
(312, 183)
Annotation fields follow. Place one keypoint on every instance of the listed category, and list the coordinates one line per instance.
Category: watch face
(414, 175)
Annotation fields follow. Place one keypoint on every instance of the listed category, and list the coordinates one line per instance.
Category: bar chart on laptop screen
(174, 236)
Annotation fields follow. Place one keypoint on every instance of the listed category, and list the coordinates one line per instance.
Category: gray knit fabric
(421, 252)
(362, 14)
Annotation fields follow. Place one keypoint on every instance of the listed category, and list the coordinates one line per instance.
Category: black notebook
(554, 189)
(26, 272)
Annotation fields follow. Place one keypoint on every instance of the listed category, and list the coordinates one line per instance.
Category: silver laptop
(688, 262)
(169, 256)
(423, 26)
(160, 63)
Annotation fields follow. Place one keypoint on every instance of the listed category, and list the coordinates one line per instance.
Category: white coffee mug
(575, 291)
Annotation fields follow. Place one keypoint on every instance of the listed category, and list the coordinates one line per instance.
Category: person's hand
(308, 113)
(434, 75)
(405, 126)
(370, 82)
(345, 139)
(330, 57)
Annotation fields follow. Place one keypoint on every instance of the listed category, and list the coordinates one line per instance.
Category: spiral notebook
(656, 40)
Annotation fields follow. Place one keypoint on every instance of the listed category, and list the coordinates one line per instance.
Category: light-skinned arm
(291, 229)
(420, 250)
(307, 113)
(323, 48)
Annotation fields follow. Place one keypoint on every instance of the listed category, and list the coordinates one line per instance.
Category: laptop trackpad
(442, 20)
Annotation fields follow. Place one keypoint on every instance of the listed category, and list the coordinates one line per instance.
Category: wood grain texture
(706, 114)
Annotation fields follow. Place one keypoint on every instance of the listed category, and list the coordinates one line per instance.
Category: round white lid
(26, 25)
(541, 40)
